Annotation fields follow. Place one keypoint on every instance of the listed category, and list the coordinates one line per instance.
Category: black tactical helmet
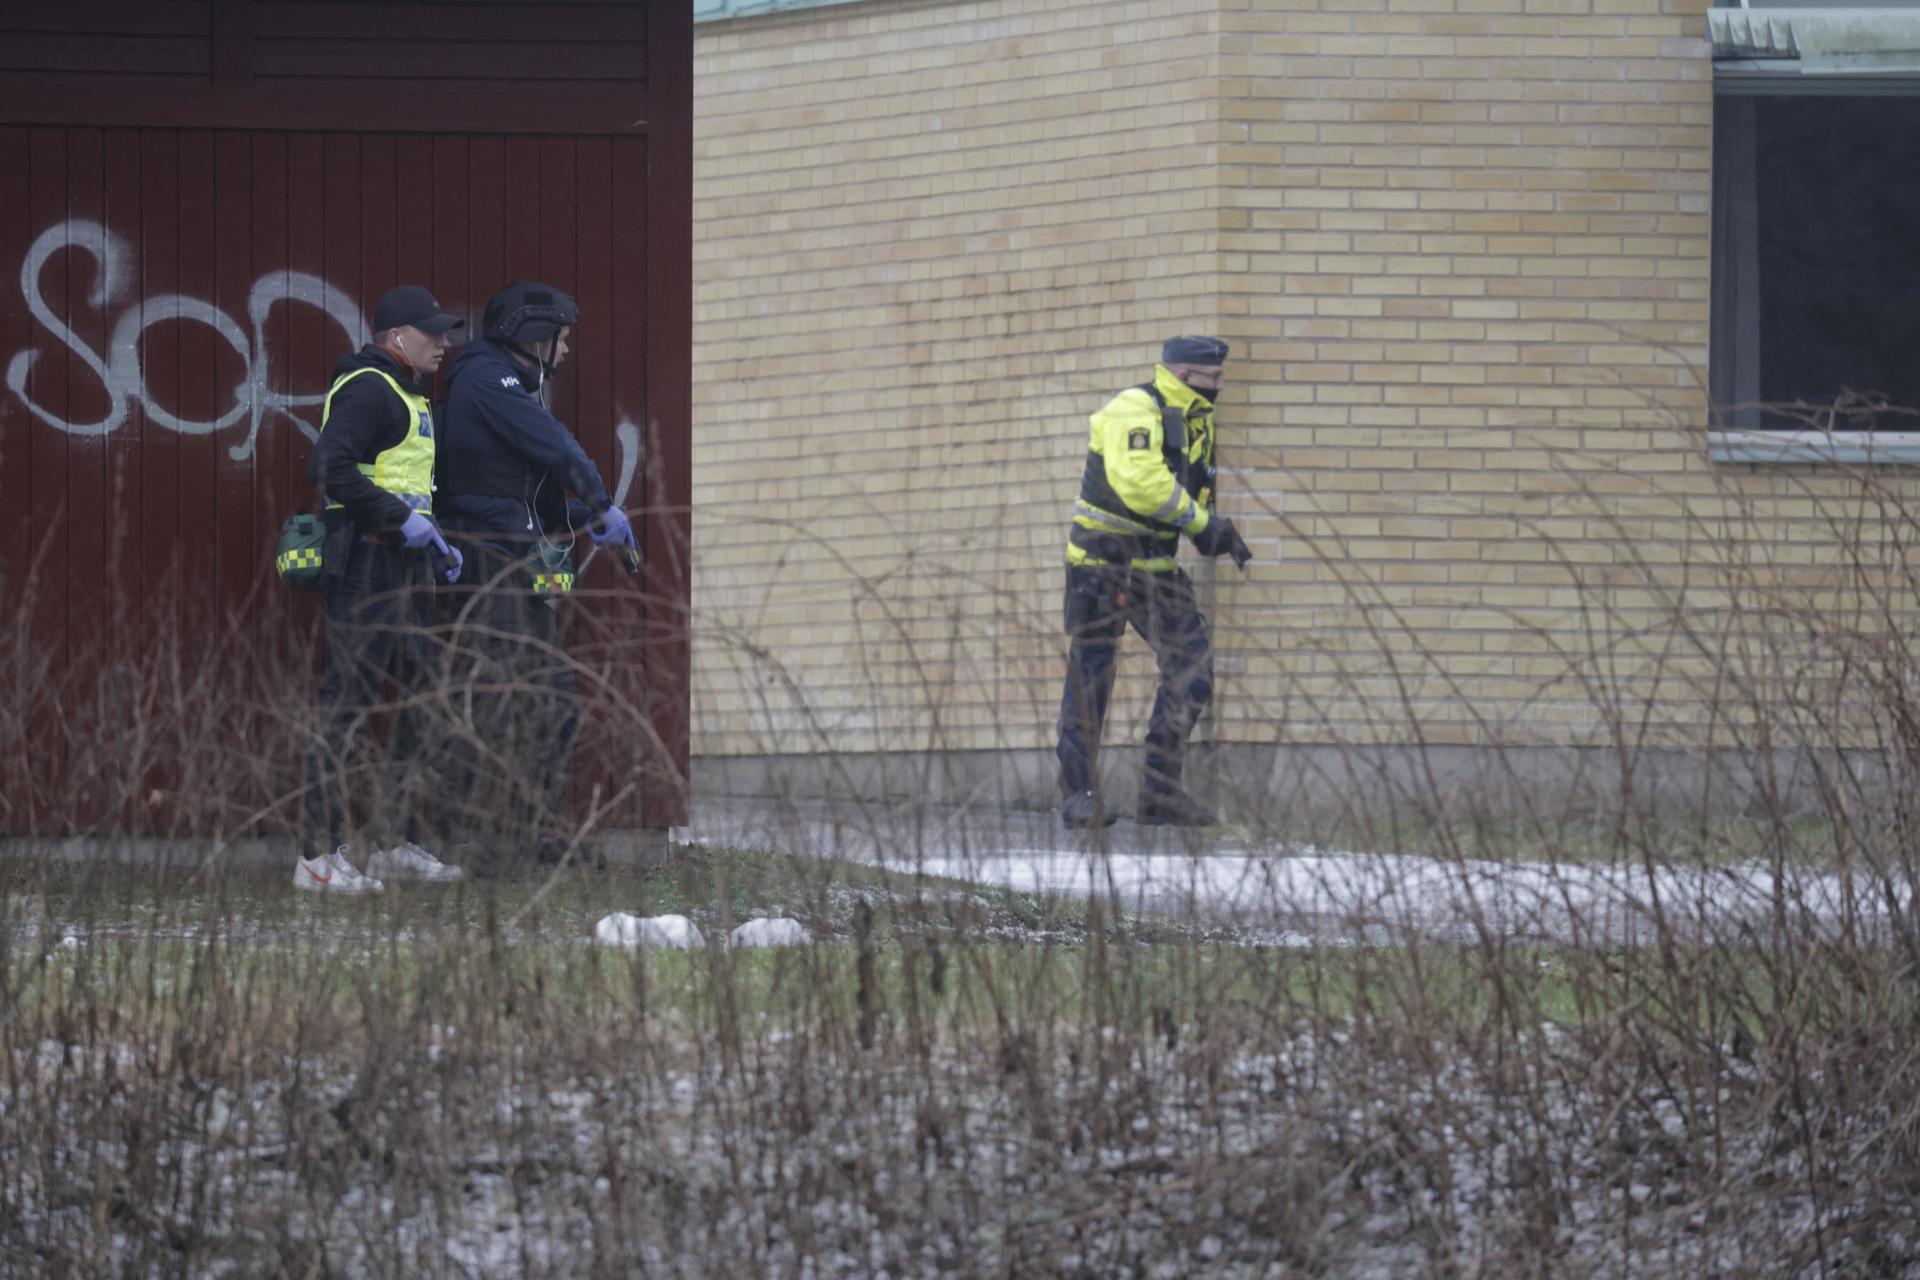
(528, 312)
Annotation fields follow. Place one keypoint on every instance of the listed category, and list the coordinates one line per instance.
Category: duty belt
(1116, 548)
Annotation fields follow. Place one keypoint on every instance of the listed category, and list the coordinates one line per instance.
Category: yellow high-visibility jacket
(1149, 476)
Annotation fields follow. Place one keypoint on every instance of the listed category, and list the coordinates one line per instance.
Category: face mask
(1203, 392)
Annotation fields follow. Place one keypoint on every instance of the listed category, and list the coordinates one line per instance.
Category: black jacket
(505, 464)
(366, 420)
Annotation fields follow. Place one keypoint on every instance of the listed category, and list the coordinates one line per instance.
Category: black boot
(550, 851)
(1081, 809)
(491, 861)
(1173, 809)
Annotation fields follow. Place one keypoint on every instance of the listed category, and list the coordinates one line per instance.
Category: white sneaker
(410, 862)
(332, 874)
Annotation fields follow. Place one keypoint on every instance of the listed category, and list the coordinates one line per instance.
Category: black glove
(1220, 538)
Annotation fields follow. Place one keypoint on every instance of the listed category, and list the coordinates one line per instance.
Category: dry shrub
(1651, 1083)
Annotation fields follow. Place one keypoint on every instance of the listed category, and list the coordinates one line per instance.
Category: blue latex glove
(419, 530)
(455, 561)
(611, 527)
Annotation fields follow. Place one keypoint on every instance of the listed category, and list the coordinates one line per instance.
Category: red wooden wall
(200, 201)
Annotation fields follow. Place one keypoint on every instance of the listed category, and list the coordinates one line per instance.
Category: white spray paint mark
(626, 444)
(291, 287)
(255, 398)
(114, 270)
(626, 438)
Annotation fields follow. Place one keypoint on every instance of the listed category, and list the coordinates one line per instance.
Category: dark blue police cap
(1191, 349)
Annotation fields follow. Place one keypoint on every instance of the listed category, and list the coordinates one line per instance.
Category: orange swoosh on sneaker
(323, 879)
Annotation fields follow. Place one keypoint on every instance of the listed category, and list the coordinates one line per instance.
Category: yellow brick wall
(929, 238)
(1461, 250)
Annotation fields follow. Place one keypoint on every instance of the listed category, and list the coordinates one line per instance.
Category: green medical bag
(297, 555)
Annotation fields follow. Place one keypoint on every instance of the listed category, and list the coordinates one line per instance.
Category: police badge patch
(1139, 438)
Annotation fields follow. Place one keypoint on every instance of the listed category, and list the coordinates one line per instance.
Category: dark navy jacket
(504, 464)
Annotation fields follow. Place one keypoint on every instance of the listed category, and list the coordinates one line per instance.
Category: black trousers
(1101, 603)
(379, 610)
(516, 705)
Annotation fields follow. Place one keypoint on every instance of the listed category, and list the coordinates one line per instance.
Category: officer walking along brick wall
(374, 460)
(1149, 477)
(507, 468)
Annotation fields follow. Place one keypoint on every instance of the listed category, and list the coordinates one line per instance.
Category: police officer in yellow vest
(374, 461)
(1149, 477)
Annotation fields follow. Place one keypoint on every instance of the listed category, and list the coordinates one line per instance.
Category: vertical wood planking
(18, 427)
(631, 387)
(614, 637)
(487, 226)
(198, 340)
(627, 279)
(127, 589)
(262, 203)
(239, 256)
(26, 598)
(520, 192)
(87, 507)
(45, 454)
(195, 401)
(47, 387)
(308, 332)
(450, 219)
(93, 633)
(382, 263)
(340, 233)
(159, 353)
(556, 244)
(415, 235)
(309, 337)
(270, 496)
(591, 219)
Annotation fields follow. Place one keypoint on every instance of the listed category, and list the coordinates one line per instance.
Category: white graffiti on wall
(626, 448)
(255, 399)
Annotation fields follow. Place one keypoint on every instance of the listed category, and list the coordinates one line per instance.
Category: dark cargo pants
(519, 706)
(1101, 603)
(378, 613)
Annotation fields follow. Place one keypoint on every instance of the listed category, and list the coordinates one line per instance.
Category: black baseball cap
(411, 304)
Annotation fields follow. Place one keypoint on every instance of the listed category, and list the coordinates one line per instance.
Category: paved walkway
(1280, 892)
(1303, 893)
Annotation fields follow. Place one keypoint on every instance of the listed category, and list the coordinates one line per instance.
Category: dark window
(1816, 261)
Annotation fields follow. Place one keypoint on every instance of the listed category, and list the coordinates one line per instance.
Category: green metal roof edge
(715, 10)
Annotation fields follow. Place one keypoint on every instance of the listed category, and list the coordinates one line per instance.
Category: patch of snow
(623, 930)
(775, 931)
(1309, 896)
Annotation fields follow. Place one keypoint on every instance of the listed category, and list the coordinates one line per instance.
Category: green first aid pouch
(297, 555)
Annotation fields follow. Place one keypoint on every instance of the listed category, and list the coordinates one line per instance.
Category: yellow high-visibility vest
(406, 470)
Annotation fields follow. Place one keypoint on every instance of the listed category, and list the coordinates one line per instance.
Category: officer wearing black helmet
(514, 488)
(507, 465)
